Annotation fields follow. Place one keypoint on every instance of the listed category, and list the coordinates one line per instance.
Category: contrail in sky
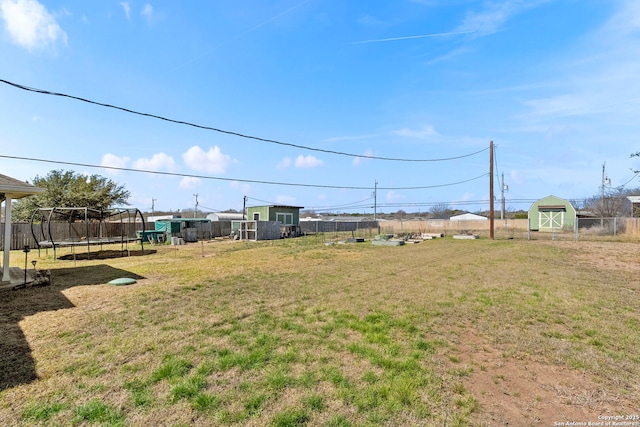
(413, 37)
(243, 33)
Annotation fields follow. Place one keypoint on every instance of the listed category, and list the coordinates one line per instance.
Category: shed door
(551, 219)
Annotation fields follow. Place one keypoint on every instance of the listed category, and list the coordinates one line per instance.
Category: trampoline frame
(72, 215)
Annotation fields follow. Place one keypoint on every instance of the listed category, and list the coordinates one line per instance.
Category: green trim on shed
(552, 213)
(286, 215)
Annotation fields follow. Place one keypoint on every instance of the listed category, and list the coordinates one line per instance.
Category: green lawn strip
(96, 411)
(42, 411)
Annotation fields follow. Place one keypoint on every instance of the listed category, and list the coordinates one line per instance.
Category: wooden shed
(189, 229)
(287, 216)
(552, 214)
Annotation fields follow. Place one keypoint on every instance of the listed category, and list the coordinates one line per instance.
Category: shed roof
(184, 220)
(278, 206)
(552, 206)
(552, 202)
(16, 188)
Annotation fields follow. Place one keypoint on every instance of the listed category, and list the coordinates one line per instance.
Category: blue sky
(554, 83)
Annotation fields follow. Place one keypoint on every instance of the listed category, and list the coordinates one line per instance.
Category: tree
(440, 211)
(69, 189)
(612, 204)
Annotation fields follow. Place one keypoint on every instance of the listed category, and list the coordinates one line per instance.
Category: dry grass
(294, 332)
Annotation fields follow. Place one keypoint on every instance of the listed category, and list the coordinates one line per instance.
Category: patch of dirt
(517, 390)
(618, 256)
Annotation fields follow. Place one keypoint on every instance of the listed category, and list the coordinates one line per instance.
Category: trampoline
(81, 226)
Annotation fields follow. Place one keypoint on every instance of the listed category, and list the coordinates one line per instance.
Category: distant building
(226, 216)
(468, 217)
(632, 206)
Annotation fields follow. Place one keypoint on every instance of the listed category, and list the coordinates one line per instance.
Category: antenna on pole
(153, 206)
(375, 201)
(503, 189)
(196, 210)
(605, 179)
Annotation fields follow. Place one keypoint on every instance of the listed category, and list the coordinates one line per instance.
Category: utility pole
(153, 206)
(605, 181)
(244, 207)
(375, 201)
(503, 189)
(196, 210)
(491, 216)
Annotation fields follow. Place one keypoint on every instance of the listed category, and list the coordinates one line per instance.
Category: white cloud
(493, 18)
(625, 22)
(425, 131)
(127, 8)
(560, 105)
(159, 161)
(30, 25)
(189, 182)
(448, 56)
(212, 161)
(284, 163)
(112, 161)
(307, 162)
(147, 11)
(601, 84)
(394, 197)
(358, 160)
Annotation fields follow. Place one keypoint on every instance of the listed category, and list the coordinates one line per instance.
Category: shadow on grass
(16, 363)
(105, 254)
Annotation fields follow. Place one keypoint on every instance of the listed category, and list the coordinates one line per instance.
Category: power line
(227, 132)
(340, 187)
(352, 205)
(632, 178)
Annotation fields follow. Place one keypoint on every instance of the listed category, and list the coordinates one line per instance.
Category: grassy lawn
(293, 333)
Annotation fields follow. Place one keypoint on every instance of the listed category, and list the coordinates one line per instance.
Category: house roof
(468, 217)
(16, 188)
